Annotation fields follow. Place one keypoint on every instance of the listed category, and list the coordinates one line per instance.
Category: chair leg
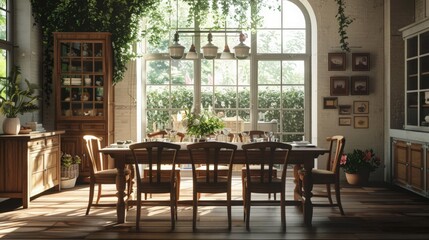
(248, 200)
(229, 208)
(91, 197)
(283, 210)
(194, 210)
(99, 193)
(139, 208)
(328, 191)
(178, 185)
(338, 197)
(173, 208)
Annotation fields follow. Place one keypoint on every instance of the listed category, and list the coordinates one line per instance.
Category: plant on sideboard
(17, 96)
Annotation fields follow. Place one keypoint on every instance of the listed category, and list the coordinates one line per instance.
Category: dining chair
(156, 180)
(252, 134)
(264, 155)
(99, 174)
(328, 176)
(165, 168)
(210, 178)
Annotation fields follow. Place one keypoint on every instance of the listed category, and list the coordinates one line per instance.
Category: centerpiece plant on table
(202, 124)
(359, 163)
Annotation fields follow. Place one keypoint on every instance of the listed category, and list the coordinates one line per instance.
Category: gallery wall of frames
(344, 83)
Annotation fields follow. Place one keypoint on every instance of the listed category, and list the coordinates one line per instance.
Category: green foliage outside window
(292, 118)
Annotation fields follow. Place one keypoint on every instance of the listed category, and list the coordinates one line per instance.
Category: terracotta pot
(360, 178)
(11, 126)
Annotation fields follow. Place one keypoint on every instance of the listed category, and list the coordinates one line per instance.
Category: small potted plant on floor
(358, 165)
(69, 170)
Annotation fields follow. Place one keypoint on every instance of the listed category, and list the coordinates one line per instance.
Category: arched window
(269, 91)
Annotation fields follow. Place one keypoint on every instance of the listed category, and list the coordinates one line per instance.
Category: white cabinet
(416, 38)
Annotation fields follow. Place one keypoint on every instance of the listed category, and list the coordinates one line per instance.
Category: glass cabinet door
(82, 76)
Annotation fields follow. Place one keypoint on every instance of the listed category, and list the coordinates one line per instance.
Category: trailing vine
(343, 23)
(120, 18)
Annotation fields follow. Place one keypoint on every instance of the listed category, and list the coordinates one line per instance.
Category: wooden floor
(376, 211)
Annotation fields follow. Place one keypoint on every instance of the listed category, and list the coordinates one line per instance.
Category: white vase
(11, 126)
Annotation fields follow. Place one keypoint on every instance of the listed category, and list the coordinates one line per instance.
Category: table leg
(308, 188)
(297, 191)
(120, 187)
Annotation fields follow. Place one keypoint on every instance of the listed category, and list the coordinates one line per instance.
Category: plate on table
(302, 144)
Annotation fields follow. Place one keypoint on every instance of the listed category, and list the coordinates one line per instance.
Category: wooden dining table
(300, 157)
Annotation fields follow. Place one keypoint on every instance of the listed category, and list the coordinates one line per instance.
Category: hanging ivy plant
(343, 23)
(122, 18)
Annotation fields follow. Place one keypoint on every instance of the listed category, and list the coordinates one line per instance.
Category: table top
(299, 154)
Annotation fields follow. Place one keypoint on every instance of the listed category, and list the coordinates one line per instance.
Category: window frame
(254, 58)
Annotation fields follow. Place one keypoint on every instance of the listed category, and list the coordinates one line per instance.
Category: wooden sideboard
(29, 164)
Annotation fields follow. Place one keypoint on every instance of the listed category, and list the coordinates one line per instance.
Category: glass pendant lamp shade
(210, 50)
(242, 50)
(176, 50)
(226, 54)
(192, 54)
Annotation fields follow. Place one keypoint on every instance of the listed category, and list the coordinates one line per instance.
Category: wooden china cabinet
(84, 93)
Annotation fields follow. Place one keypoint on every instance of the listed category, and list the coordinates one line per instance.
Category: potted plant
(69, 170)
(203, 124)
(358, 165)
(16, 100)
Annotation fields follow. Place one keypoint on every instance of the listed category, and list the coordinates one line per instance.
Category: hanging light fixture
(176, 50)
(242, 50)
(209, 50)
(226, 54)
(192, 54)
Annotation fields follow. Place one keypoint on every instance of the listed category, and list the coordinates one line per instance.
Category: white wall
(365, 36)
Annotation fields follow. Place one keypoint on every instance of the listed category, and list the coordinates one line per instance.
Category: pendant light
(241, 50)
(226, 54)
(192, 54)
(209, 50)
(176, 50)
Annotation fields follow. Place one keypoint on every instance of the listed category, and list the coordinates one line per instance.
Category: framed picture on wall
(361, 107)
(344, 109)
(336, 61)
(360, 62)
(345, 121)
(359, 85)
(361, 122)
(330, 102)
(339, 86)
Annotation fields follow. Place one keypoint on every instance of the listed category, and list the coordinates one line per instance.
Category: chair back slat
(211, 154)
(336, 149)
(156, 153)
(265, 155)
(93, 146)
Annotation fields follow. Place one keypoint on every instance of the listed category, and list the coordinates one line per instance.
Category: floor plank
(378, 211)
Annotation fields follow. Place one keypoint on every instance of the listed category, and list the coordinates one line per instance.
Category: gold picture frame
(361, 122)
